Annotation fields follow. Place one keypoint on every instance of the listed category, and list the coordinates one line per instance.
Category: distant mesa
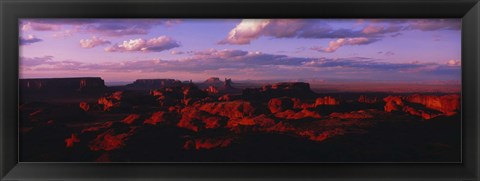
(213, 81)
(283, 89)
(63, 84)
(146, 84)
(214, 85)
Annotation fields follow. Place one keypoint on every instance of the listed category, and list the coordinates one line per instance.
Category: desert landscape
(168, 120)
(240, 90)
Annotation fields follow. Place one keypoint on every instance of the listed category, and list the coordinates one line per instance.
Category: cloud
(435, 24)
(454, 62)
(251, 29)
(93, 42)
(141, 45)
(335, 45)
(39, 27)
(34, 61)
(104, 27)
(29, 39)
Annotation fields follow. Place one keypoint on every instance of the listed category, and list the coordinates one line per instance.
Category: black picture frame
(12, 10)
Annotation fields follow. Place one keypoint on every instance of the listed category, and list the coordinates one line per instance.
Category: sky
(420, 51)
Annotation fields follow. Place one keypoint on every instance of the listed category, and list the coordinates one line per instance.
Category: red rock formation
(110, 141)
(70, 141)
(361, 114)
(97, 127)
(212, 90)
(447, 104)
(85, 106)
(156, 117)
(225, 97)
(368, 100)
(130, 118)
(261, 120)
(232, 109)
(280, 104)
(192, 119)
(298, 104)
(290, 114)
(393, 103)
(326, 101)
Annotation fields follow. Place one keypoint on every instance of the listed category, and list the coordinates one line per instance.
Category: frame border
(12, 10)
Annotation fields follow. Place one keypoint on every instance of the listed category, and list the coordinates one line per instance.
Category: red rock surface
(130, 118)
(326, 101)
(447, 104)
(157, 117)
(71, 140)
(108, 140)
(98, 127)
(85, 106)
(232, 109)
(280, 104)
(361, 114)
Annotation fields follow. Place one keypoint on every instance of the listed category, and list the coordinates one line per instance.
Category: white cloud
(93, 42)
(141, 45)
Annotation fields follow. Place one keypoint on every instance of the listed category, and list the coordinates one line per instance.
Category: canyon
(213, 120)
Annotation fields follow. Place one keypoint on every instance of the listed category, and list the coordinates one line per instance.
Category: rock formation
(62, 85)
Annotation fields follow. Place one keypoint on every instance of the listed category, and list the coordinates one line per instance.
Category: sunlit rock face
(326, 101)
(62, 84)
(434, 106)
(447, 104)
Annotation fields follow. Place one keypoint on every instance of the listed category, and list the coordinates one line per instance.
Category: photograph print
(240, 90)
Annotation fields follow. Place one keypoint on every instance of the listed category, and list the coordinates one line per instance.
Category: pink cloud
(454, 62)
(336, 44)
(93, 42)
(141, 45)
(39, 27)
(29, 39)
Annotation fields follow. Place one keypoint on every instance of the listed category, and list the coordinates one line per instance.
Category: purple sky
(327, 50)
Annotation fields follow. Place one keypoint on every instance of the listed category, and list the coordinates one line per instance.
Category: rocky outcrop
(361, 114)
(109, 140)
(330, 101)
(84, 106)
(71, 140)
(62, 85)
(280, 104)
(232, 109)
(292, 115)
(110, 101)
(157, 117)
(195, 120)
(393, 103)
(447, 104)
